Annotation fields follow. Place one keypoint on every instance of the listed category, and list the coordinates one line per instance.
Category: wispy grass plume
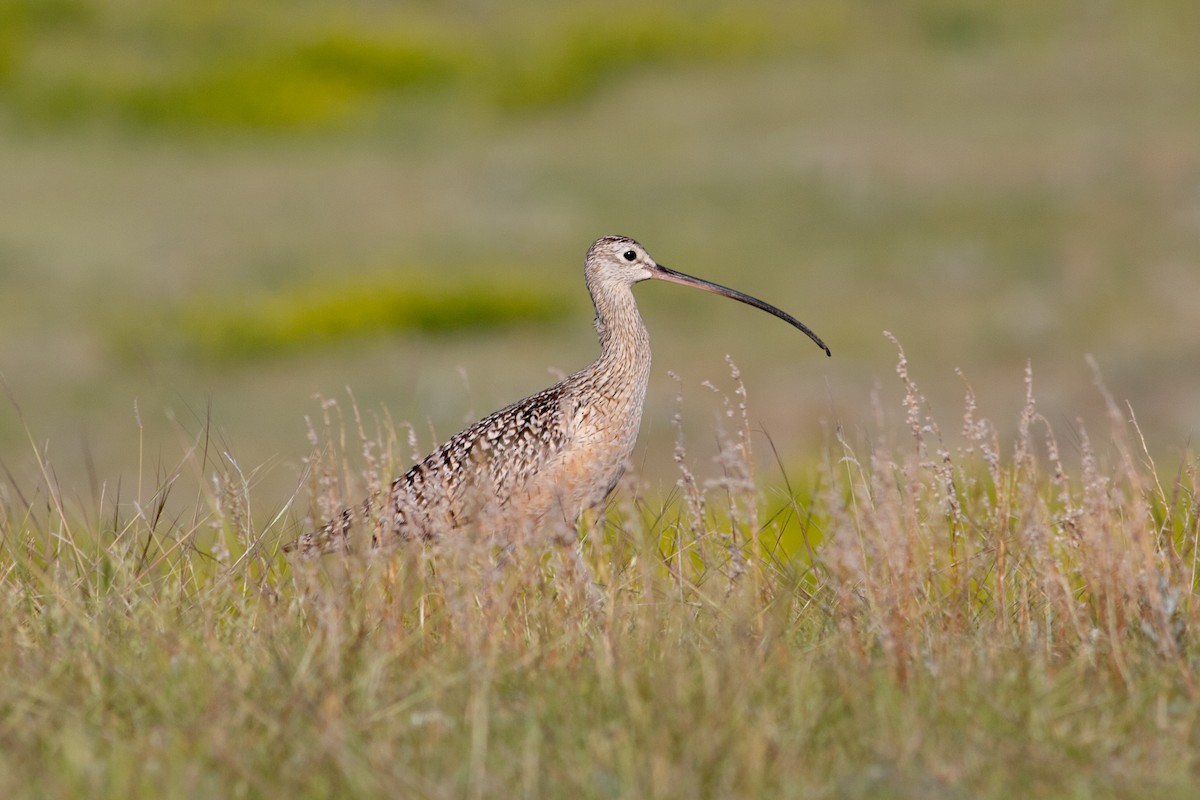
(960, 616)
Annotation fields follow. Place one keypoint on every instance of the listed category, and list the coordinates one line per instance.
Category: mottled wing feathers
(478, 470)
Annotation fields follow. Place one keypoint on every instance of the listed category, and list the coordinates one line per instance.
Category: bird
(546, 459)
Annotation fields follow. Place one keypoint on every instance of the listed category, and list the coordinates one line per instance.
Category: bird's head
(619, 262)
(618, 259)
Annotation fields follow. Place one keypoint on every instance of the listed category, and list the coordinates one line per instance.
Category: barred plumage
(542, 461)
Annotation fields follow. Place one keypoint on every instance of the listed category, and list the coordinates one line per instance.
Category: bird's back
(481, 471)
(536, 463)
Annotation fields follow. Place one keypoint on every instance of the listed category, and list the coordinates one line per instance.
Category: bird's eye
(629, 255)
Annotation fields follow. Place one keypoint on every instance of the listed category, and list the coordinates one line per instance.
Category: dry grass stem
(917, 613)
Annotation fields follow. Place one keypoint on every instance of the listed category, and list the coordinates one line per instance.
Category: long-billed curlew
(546, 459)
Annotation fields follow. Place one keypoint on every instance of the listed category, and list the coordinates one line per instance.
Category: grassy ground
(211, 213)
(917, 619)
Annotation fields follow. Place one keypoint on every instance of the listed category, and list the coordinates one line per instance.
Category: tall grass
(932, 614)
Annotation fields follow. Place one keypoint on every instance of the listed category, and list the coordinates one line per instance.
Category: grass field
(916, 619)
(243, 245)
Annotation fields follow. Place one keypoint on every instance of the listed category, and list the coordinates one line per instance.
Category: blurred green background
(218, 210)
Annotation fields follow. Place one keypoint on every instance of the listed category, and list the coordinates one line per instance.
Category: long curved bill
(664, 274)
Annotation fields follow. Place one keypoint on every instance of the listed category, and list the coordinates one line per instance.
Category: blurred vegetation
(993, 181)
(317, 82)
(276, 66)
(301, 317)
(228, 67)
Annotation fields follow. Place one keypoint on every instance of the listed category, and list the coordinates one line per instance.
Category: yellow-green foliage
(22, 22)
(572, 61)
(979, 621)
(324, 80)
(319, 314)
(331, 68)
(232, 66)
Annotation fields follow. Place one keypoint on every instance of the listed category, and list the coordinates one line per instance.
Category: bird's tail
(335, 536)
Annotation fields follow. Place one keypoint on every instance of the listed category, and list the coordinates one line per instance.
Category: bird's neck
(624, 343)
(615, 383)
